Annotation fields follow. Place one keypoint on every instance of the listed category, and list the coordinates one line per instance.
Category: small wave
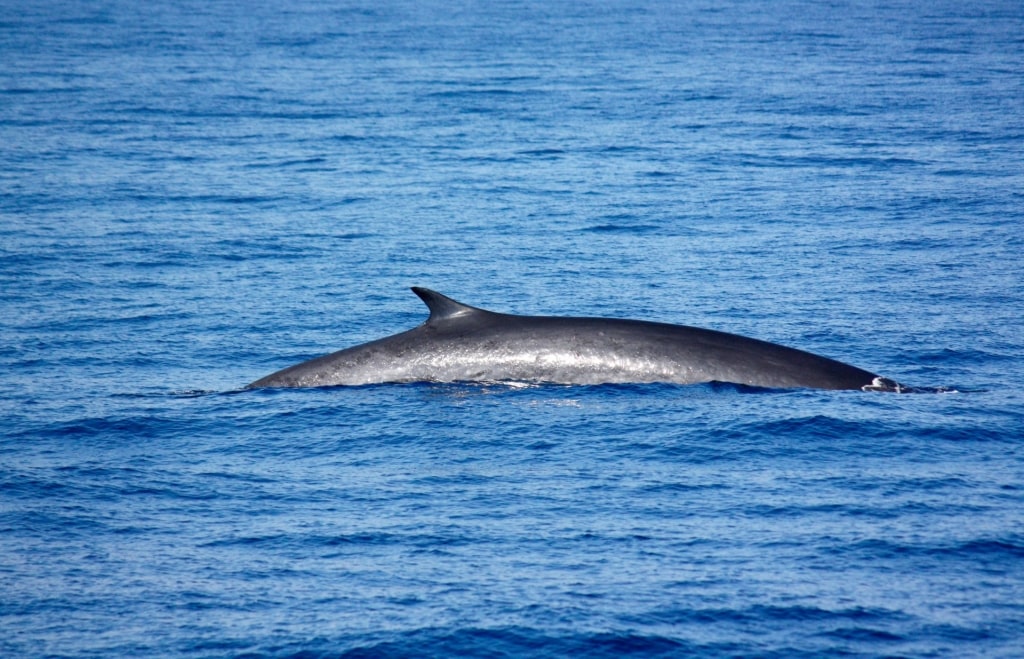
(621, 228)
(861, 634)
(542, 153)
(517, 641)
(175, 393)
(951, 357)
(298, 162)
(994, 552)
(431, 541)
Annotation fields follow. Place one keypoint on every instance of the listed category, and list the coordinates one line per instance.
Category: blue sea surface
(196, 194)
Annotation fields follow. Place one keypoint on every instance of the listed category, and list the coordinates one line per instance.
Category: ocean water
(196, 194)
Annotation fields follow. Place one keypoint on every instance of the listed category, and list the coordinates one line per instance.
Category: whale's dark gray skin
(462, 343)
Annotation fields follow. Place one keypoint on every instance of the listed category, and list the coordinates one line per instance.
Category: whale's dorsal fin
(443, 308)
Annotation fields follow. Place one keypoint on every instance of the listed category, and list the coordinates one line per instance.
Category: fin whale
(463, 343)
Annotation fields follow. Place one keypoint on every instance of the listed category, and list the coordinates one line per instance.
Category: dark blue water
(193, 195)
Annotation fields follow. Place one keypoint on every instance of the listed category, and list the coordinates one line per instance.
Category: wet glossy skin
(462, 343)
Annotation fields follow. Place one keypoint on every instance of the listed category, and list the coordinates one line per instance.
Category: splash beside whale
(463, 343)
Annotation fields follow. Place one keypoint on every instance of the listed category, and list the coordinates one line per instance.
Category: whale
(461, 343)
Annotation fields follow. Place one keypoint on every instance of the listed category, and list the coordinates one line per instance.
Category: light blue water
(193, 196)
